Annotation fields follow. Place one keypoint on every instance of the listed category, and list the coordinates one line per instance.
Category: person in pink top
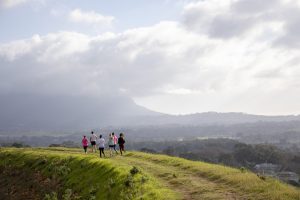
(85, 143)
(115, 138)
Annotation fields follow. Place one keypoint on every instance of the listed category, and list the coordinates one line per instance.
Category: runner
(85, 143)
(101, 143)
(111, 144)
(93, 139)
(115, 141)
(121, 142)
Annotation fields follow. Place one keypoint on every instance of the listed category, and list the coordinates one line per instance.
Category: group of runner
(113, 140)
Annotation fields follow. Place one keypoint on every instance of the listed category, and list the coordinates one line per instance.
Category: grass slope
(157, 177)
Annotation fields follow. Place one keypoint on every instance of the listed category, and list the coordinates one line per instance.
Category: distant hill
(42, 112)
(215, 118)
(56, 173)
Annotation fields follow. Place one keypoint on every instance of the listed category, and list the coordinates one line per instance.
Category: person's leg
(120, 147)
(100, 152)
(115, 149)
(123, 149)
(103, 152)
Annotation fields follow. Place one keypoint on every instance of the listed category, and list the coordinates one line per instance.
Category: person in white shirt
(101, 145)
(93, 139)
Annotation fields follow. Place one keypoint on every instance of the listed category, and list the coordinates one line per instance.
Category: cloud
(142, 62)
(14, 3)
(90, 17)
(136, 62)
(194, 63)
(275, 19)
(11, 3)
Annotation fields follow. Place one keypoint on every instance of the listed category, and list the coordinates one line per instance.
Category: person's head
(121, 134)
(112, 133)
(84, 136)
(100, 136)
(92, 132)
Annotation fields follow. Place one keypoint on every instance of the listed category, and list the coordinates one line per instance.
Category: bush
(17, 145)
(67, 195)
(129, 182)
(134, 170)
(52, 196)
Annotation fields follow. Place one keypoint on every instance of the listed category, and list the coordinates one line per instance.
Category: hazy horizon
(173, 57)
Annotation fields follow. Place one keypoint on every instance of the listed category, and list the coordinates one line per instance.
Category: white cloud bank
(14, 3)
(234, 56)
(90, 17)
(11, 3)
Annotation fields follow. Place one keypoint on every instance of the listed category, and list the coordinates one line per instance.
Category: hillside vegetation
(58, 173)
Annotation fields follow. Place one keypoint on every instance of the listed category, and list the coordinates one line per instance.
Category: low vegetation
(226, 151)
(61, 173)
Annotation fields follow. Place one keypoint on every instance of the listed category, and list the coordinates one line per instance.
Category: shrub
(67, 195)
(129, 181)
(52, 196)
(134, 170)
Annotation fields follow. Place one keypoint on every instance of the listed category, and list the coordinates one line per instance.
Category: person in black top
(121, 142)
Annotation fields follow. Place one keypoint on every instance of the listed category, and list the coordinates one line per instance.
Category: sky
(171, 56)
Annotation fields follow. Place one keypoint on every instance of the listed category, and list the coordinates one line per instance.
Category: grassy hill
(58, 173)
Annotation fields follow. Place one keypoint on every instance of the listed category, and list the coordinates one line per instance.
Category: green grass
(157, 177)
(87, 175)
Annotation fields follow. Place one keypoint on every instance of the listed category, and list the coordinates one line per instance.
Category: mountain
(231, 118)
(56, 113)
(42, 112)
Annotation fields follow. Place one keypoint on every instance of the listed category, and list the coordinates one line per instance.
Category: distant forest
(226, 151)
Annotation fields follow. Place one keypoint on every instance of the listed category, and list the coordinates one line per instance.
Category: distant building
(289, 177)
(267, 169)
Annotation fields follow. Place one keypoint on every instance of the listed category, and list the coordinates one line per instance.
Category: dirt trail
(185, 182)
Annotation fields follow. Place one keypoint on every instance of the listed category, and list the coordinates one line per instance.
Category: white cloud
(171, 66)
(11, 3)
(90, 17)
(275, 19)
(180, 91)
(14, 3)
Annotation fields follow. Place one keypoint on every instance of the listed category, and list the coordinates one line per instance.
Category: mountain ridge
(44, 112)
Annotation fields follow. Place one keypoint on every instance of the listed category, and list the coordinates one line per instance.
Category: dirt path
(186, 183)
